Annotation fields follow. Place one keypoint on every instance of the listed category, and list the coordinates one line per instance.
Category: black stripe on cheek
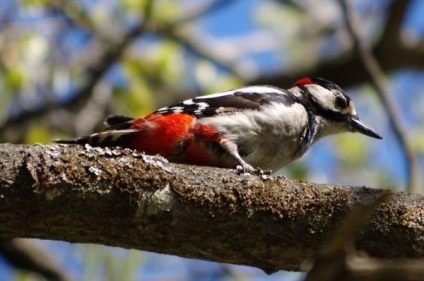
(332, 115)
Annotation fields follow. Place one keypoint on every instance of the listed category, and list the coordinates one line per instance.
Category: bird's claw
(248, 169)
(244, 169)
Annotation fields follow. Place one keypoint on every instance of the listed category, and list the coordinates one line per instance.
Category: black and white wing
(252, 97)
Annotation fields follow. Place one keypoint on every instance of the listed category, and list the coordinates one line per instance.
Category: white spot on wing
(177, 109)
(188, 102)
(163, 109)
(201, 106)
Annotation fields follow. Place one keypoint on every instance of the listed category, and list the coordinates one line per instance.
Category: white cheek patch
(327, 98)
(351, 108)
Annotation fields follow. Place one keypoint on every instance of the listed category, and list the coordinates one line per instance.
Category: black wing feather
(230, 102)
(227, 102)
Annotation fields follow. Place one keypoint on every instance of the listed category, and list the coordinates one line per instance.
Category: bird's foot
(244, 169)
(248, 169)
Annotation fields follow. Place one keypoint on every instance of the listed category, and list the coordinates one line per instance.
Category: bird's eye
(341, 102)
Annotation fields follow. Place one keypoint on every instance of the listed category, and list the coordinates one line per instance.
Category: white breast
(268, 138)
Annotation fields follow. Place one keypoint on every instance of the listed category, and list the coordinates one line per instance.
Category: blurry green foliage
(111, 263)
(38, 133)
(35, 3)
(352, 150)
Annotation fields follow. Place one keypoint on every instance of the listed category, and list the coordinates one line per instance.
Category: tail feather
(81, 140)
(117, 133)
(105, 138)
(118, 121)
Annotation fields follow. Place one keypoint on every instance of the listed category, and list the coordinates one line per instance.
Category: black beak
(358, 126)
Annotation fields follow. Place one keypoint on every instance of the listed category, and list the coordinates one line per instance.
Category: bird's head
(326, 99)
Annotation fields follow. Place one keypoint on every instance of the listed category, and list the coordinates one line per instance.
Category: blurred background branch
(94, 72)
(31, 256)
(376, 76)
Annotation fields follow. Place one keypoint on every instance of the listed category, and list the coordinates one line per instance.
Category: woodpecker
(253, 127)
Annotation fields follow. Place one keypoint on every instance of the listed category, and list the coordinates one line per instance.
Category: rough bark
(125, 199)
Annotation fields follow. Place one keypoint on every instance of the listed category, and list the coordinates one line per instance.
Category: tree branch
(376, 77)
(95, 73)
(393, 27)
(30, 256)
(125, 199)
(339, 260)
(391, 51)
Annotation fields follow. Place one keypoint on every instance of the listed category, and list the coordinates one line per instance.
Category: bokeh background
(66, 64)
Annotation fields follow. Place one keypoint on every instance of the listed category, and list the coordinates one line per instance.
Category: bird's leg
(232, 149)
